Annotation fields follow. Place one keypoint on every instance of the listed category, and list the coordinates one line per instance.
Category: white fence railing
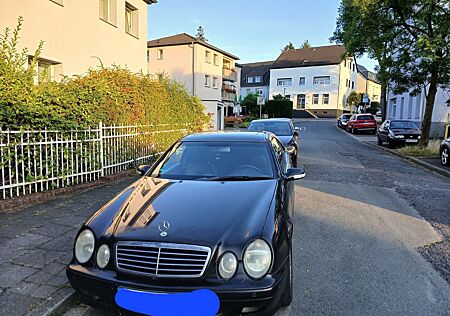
(34, 161)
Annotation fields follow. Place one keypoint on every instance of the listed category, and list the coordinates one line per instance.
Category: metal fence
(34, 161)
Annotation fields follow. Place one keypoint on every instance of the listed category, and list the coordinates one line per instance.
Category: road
(358, 225)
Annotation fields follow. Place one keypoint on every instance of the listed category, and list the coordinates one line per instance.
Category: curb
(413, 160)
(63, 305)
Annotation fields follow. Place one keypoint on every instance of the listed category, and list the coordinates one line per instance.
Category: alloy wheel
(444, 156)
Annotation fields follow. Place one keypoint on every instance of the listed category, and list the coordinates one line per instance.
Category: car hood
(198, 212)
(406, 131)
(285, 140)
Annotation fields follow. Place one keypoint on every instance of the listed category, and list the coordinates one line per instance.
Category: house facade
(412, 107)
(207, 72)
(256, 79)
(316, 79)
(81, 34)
(368, 83)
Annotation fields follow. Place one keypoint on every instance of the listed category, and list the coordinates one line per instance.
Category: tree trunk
(431, 96)
(383, 101)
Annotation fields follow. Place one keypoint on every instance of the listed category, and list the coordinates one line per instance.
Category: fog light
(103, 256)
(227, 265)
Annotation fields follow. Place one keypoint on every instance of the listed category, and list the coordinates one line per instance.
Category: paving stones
(16, 304)
(12, 274)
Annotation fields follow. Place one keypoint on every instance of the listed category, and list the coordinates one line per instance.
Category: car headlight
(84, 246)
(399, 136)
(103, 255)
(257, 259)
(227, 265)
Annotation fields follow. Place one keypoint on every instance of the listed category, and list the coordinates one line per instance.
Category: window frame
(279, 80)
(131, 20)
(160, 54)
(314, 100)
(302, 82)
(252, 79)
(207, 81)
(326, 96)
(207, 56)
(258, 79)
(321, 80)
(215, 82)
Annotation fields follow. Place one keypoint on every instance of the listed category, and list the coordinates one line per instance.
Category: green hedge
(279, 108)
(112, 95)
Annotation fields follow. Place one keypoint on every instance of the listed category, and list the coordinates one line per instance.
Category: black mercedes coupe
(214, 213)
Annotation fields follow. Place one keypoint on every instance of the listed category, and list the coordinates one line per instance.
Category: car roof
(272, 120)
(259, 137)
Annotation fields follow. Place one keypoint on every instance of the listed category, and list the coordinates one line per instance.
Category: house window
(131, 19)
(326, 99)
(283, 82)
(302, 81)
(208, 56)
(324, 80)
(160, 54)
(216, 60)
(394, 106)
(259, 91)
(215, 80)
(353, 85)
(148, 55)
(315, 99)
(227, 64)
(250, 79)
(45, 70)
(257, 78)
(108, 11)
(207, 81)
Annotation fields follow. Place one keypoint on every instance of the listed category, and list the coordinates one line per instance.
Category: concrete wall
(73, 33)
(413, 108)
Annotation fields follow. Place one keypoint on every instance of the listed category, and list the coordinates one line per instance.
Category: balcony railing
(228, 96)
(229, 74)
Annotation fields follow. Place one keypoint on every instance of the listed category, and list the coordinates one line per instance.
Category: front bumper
(98, 288)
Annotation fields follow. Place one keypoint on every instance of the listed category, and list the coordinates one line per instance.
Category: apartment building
(408, 106)
(316, 79)
(208, 72)
(368, 83)
(256, 79)
(81, 34)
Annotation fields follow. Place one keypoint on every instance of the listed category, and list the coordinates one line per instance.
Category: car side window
(281, 155)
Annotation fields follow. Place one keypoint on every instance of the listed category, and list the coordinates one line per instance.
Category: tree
(353, 99)
(201, 34)
(250, 103)
(288, 47)
(306, 44)
(365, 27)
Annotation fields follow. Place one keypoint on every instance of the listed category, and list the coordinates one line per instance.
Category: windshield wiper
(234, 178)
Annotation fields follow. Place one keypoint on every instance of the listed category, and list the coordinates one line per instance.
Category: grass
(432, 151)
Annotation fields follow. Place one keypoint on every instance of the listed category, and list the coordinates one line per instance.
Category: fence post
(100, 129)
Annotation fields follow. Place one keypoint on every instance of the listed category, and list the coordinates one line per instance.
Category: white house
(412, 107)
(208, 72)
(256, 79)
(316, 79)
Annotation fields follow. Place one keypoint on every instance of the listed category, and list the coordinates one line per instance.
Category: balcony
(228, 96)
(229, 74)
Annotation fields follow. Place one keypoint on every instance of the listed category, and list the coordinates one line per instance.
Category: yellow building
(368, 83)
(81, 34)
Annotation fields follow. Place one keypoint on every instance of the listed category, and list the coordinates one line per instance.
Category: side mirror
(295, 174)
(297, 129)
(142, 169)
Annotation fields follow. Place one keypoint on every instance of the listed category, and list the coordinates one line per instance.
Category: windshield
(203, 160)
(404, 124)
(346, 117)
(278, 128)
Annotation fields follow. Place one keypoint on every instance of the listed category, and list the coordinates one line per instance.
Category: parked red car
(362, 122)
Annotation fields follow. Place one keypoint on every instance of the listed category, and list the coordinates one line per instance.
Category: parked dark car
(445, 152)
(398, 133)
(285, 131)
(342, 120)
(362, 122)
(214, 212)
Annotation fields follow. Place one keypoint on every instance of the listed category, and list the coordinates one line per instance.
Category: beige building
(81, 34)
(368, 83)
(207, 72)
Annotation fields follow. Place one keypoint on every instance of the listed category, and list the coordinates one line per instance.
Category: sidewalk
(36, 243)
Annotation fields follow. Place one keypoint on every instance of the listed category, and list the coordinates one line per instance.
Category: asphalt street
(359, 220)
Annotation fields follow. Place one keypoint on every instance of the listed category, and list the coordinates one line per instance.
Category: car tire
(390, 144)
(373, 132)
(288, 292)
(445, 159)
(380, 142)
(294, 160)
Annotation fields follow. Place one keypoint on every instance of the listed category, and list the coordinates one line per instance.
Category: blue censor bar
(199, 303)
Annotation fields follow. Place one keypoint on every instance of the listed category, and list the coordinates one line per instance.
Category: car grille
(162, 259)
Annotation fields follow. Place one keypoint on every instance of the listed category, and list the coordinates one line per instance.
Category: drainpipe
(193, 68)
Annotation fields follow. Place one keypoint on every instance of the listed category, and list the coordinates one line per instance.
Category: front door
(219, 118)
(301, 101)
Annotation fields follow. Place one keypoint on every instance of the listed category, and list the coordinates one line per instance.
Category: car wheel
(288, 293)
(445, 159)
(294, 160)
(380, 142)
(391, 144)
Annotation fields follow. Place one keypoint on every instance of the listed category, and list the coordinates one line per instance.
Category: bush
(279, 108)
(112, 95)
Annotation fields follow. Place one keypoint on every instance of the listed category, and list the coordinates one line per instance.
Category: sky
(253, 30)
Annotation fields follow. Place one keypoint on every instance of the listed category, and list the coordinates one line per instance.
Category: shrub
(112, 95)
(279, 108)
